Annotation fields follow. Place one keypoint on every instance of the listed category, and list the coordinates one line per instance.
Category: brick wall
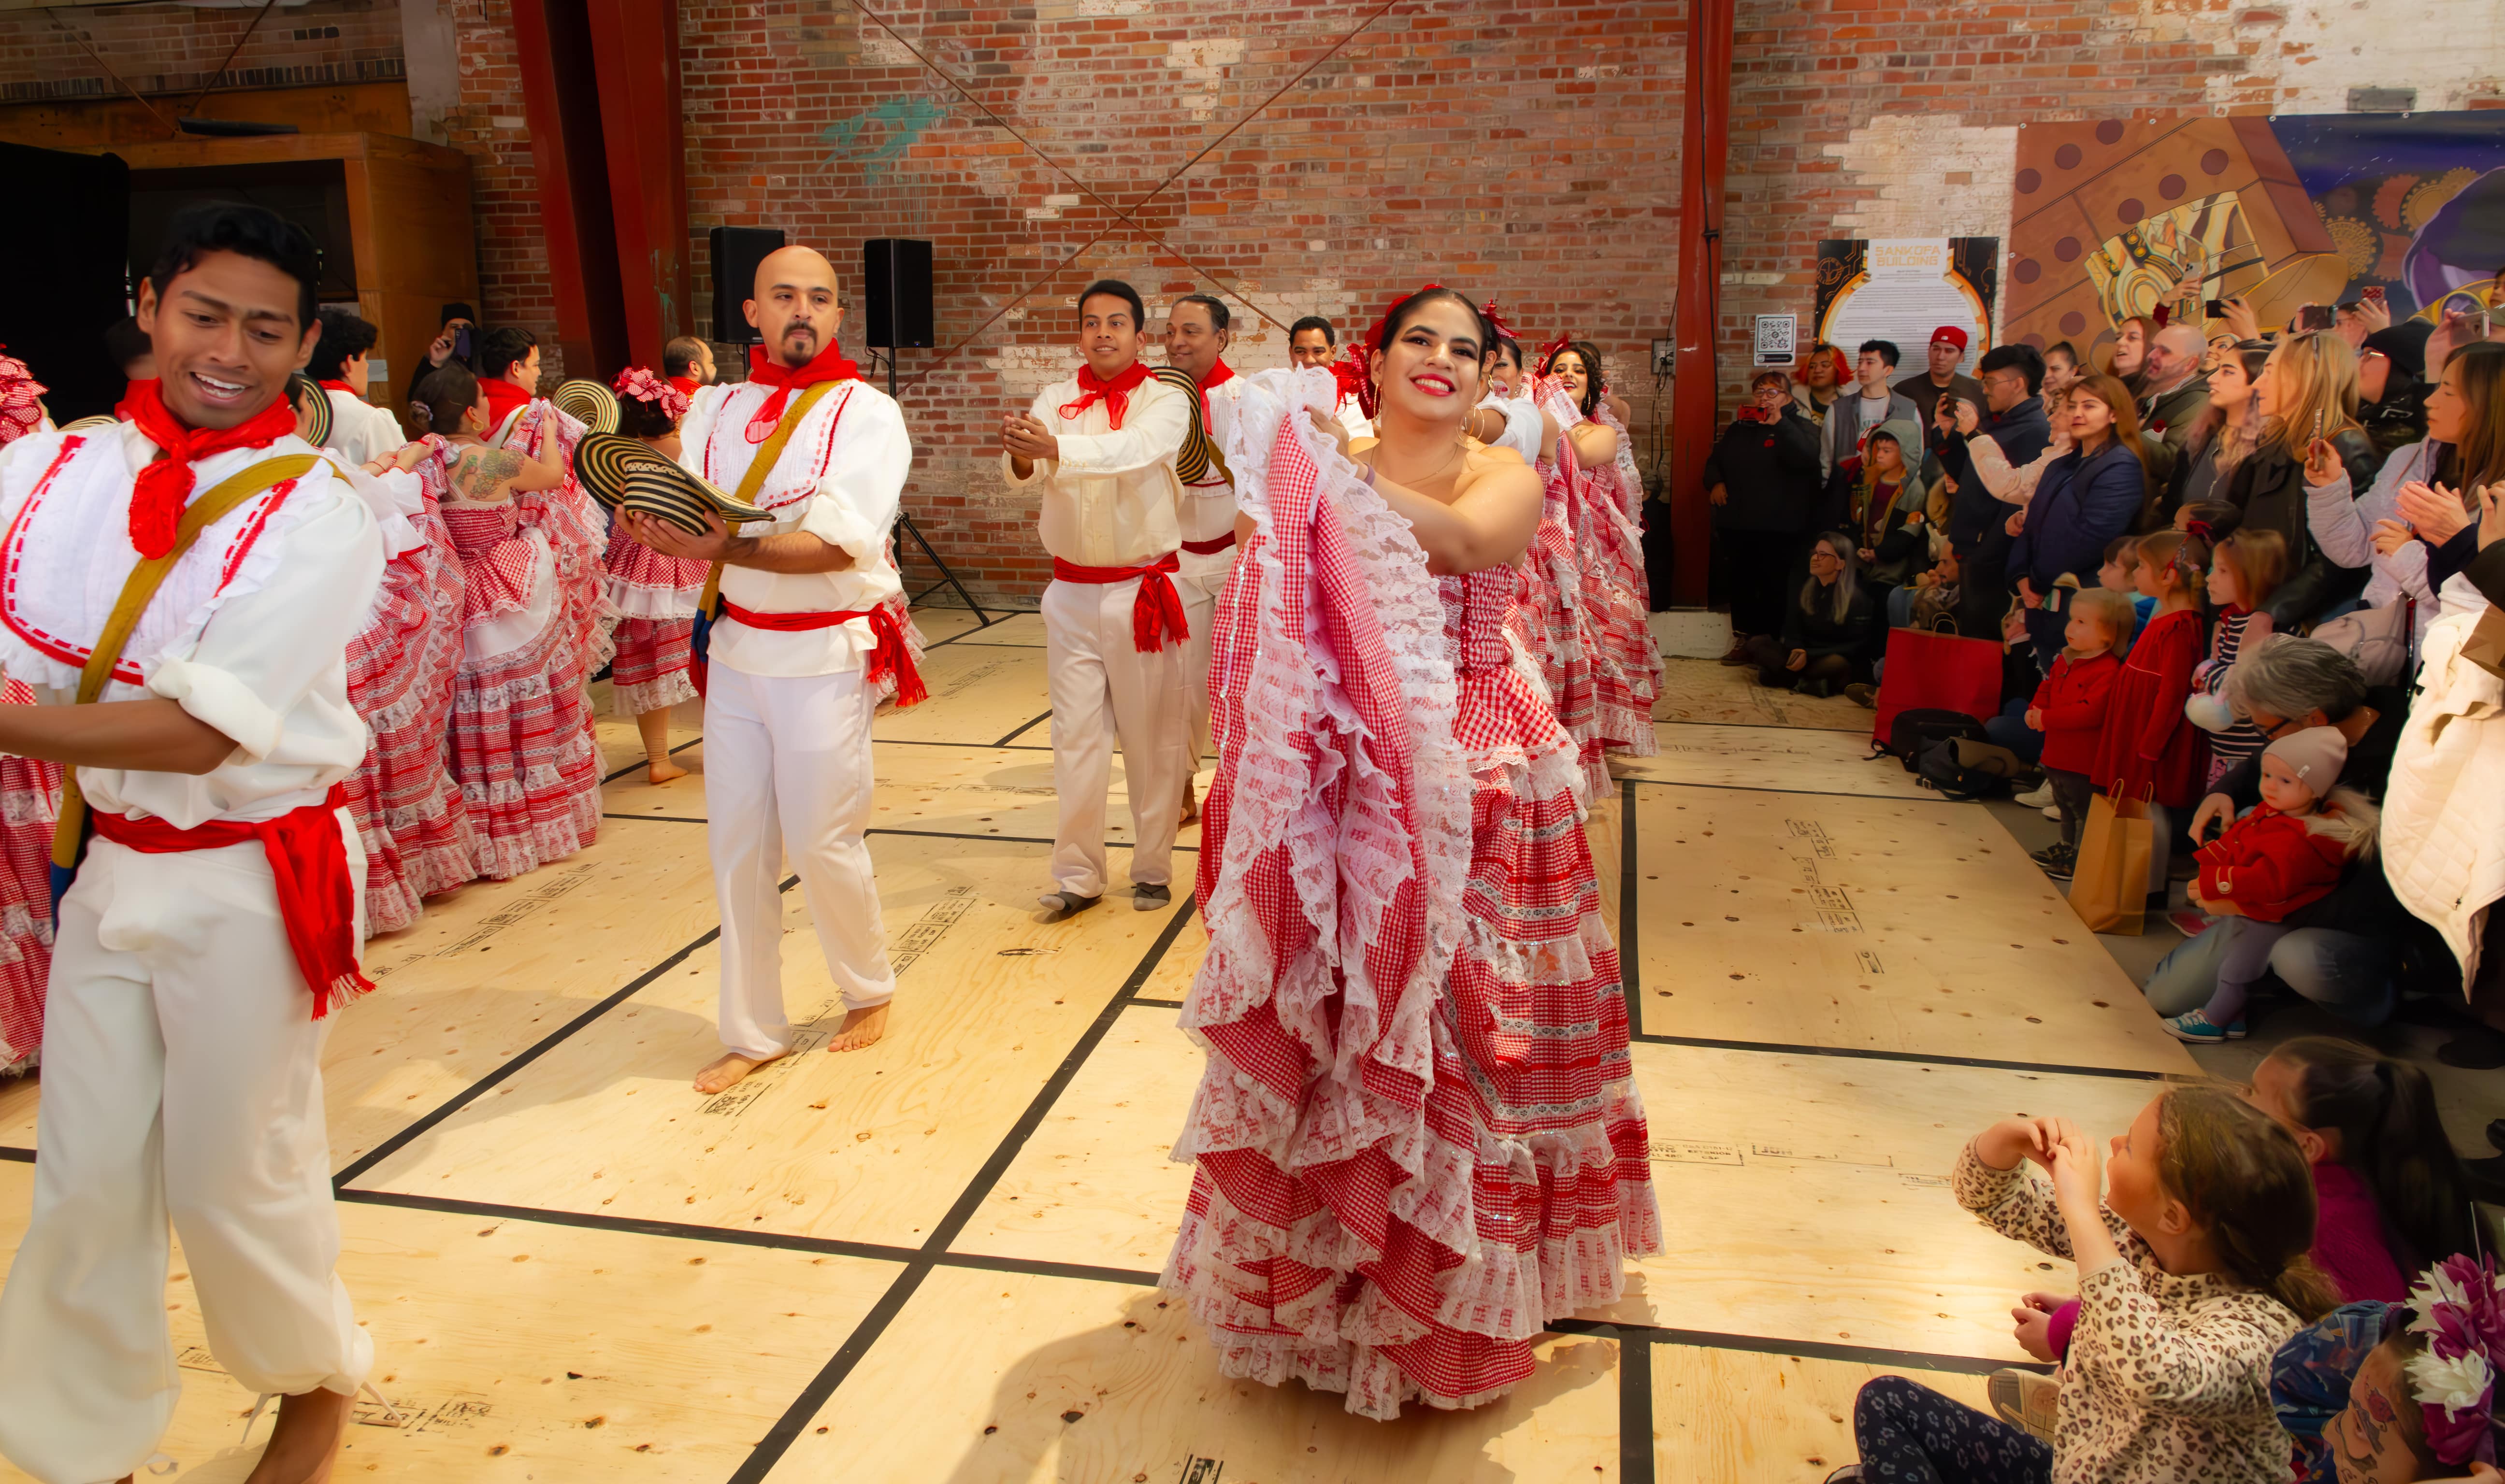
(1437, 144)
(487, 125)
(177, 49)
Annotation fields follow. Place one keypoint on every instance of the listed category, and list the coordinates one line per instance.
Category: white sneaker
(2025, 1399)
(2038, 796)
(2052, 812)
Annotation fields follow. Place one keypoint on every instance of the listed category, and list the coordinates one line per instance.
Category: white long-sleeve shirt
(2345, 529)
(248, 632)
(840, 478)
(1112, 498)
(361, 432)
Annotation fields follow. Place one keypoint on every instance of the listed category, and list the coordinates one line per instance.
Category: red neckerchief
(338, 385)
(828, 365)
(1218, 375)
(164, 487)
(687, 385)
(503, 399)
(1115, 394)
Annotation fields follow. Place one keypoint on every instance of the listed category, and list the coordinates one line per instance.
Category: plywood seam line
(924, 741)
(786, 1431)
(1023, 730)
(1797, 1349)
(1636, 1461)
(462, 1099)
(1918, 1059)
(1630, 961)
(1258, 109)
(1820, 793)
(1006, 616)
(673, 752)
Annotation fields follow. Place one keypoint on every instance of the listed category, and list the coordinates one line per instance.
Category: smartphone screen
(2215, 309)
(2313, 316)
(460, 343)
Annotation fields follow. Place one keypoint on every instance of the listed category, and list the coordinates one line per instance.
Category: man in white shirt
(1871, 403)
(1313, 344)
(1099, 448)
(1196, 341)
(794, 657)
(360, 430)
(191, 976)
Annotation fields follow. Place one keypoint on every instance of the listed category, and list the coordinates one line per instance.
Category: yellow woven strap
(138, 590)
(768, 454)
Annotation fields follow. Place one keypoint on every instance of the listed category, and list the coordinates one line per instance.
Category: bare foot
(1190, 801)
(307, 1440)
(860, 1027)
(727, 1070)
(660, 770)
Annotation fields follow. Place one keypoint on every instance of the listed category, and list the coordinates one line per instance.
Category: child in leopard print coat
(2192, 1271)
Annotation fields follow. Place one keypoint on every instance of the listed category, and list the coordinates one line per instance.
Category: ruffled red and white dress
(402, 666)
(656, 600)
(535, 597)
(1417, 1140)
(1608, 554)
(30, 800)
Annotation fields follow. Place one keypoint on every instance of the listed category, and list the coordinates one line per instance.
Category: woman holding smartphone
(2306, 393)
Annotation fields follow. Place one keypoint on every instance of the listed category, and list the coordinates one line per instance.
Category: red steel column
(635, 48)
(1704, 149)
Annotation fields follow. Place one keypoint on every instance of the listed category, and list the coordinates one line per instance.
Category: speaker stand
(947, 578)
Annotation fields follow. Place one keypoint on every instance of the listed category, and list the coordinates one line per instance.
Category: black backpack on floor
(1963, 768)
(1913, 733)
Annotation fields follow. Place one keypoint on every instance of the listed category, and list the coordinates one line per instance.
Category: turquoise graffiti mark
(877, 137)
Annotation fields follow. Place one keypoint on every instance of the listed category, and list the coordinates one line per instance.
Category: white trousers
(1104, 689)
(787, 769)
(1199, 583)
(182, 1081)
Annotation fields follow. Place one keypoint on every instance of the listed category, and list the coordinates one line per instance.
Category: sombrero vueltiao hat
(624, 473)
(587, 402)
(85, 423)
(312, 406)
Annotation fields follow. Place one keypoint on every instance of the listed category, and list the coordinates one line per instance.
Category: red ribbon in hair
(1156, 614)
(888, 657)
(1354, 379)
(828, 364)
(308, 858)
(2200, 529)
(1548, 351)
(1115, 394)
(164, 487)
(1498, 323)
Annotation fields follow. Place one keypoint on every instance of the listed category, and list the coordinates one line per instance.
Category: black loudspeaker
(896, 291)
(736, 253)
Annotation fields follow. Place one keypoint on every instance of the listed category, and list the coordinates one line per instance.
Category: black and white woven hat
(624, 473)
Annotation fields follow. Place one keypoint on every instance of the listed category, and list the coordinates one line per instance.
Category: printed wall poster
(1902, 289)
(2111, 214)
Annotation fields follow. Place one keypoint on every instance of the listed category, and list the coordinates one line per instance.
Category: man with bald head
(804, 636)
(2174, 394)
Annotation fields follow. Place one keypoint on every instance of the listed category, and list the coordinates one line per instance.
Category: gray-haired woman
(1828, 631)
(2341, 953)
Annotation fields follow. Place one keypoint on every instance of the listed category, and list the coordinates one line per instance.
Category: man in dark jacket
(1762, 477)
(2013, 418)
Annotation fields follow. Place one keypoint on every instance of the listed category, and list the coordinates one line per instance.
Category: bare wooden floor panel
(529, 1351)
(1905, 928)
(866, 1147)
(1011, 1379)
(979, 694)
(1729, 1415)
(1703, 690)
(1793, 758)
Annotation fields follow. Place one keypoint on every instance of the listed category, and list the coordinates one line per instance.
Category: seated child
(2288, 852)
(2069, 710)
(2192, 1273)
(2387, 1394)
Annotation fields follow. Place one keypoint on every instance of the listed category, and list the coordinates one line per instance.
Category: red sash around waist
(1156, 614)
(1210, 548)
(888, 657)
(317, 898)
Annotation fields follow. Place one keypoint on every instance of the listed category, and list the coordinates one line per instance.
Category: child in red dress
(2150, 750)
(2069, 709)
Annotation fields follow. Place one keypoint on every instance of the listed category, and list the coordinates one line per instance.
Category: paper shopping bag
(2109, 881)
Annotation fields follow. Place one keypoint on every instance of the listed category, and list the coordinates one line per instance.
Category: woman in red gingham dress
(655, 595)
(1418, 1141)
(30, 800)
(1608, 557)
(522, 747)
(402, 664)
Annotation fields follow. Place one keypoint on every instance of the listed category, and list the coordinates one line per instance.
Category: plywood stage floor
(933, 1263)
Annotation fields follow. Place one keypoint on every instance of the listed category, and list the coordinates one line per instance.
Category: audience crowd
(2254, 585)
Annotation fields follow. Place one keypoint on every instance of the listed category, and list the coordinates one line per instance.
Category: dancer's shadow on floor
(1142, 1398)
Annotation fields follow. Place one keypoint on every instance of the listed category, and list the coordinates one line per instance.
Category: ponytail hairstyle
(2384, 1112)
(2245, 1181)
(2187, 554)
(442, 397)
